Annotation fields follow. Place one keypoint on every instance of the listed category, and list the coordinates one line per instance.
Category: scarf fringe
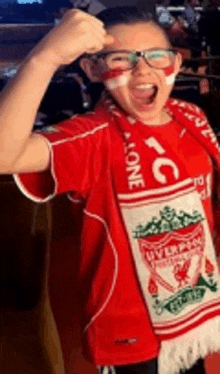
(182, 352)
(107, 370)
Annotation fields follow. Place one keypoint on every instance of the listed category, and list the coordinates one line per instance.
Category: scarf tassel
(181, 354)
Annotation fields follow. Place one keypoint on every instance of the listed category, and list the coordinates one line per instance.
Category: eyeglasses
(127, 60)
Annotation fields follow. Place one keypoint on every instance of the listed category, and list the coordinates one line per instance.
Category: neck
(162, 119)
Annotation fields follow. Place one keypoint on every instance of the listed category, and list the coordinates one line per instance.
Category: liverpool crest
(172, 247)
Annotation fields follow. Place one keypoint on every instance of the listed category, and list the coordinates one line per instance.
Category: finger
(109, 39)
(91, 28)
(99, 33)
(98, 27)
(97, 45)
(100, 41)
(88, 16)
(95, 49)
(92, 18)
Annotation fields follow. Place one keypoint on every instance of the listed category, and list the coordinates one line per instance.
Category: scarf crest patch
(170, 238)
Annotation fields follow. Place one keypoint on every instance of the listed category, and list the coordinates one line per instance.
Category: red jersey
(196, 160)
(86, 155)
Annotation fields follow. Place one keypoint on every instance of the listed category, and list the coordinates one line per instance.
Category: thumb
(109, 39)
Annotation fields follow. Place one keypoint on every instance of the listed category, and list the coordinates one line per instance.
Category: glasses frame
(139, 54)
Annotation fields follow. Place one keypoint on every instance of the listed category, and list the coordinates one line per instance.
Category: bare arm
(20, 151)
(18, 106)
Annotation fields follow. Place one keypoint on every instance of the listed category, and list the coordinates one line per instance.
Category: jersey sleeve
(76, 148)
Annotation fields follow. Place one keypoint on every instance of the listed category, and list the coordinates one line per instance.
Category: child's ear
(178, 62)
(91, 69)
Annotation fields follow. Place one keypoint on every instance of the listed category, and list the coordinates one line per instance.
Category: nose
(142, 67)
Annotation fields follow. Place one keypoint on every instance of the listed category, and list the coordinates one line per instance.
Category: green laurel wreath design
(169, 220)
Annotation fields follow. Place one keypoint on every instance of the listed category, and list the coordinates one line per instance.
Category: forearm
(19, 103)
(78, 33)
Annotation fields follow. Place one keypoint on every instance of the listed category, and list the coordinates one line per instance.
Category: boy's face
(134, 89)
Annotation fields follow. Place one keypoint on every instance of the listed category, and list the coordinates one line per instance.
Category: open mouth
(152, 97)
(145, 94)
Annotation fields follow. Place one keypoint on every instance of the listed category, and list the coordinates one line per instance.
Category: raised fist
(77, 33)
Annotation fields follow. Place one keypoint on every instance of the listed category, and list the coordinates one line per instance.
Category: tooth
(144, 86)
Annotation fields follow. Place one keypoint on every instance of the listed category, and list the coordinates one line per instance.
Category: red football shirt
(119, 329)
(196, 160)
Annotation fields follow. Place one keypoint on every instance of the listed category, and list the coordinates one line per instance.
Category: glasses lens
(160, 59)
(120, 60)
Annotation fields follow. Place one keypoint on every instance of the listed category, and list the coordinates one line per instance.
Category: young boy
(143, 167)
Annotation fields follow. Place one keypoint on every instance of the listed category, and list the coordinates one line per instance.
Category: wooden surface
(23, 248)
(29, 339)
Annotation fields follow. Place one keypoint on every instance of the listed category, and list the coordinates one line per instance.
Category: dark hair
(129, 15)
(124, 14)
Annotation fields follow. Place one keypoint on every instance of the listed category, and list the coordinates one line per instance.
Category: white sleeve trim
(50, 145)
(73, 200)
(26, 192)
(83, 135)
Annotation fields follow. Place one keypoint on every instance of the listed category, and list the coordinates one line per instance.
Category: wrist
(51, 59)
(44, 61)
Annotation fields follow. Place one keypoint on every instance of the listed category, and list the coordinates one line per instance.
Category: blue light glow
(29, 1)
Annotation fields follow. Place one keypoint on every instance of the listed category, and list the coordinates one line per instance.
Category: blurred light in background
(29, 1)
